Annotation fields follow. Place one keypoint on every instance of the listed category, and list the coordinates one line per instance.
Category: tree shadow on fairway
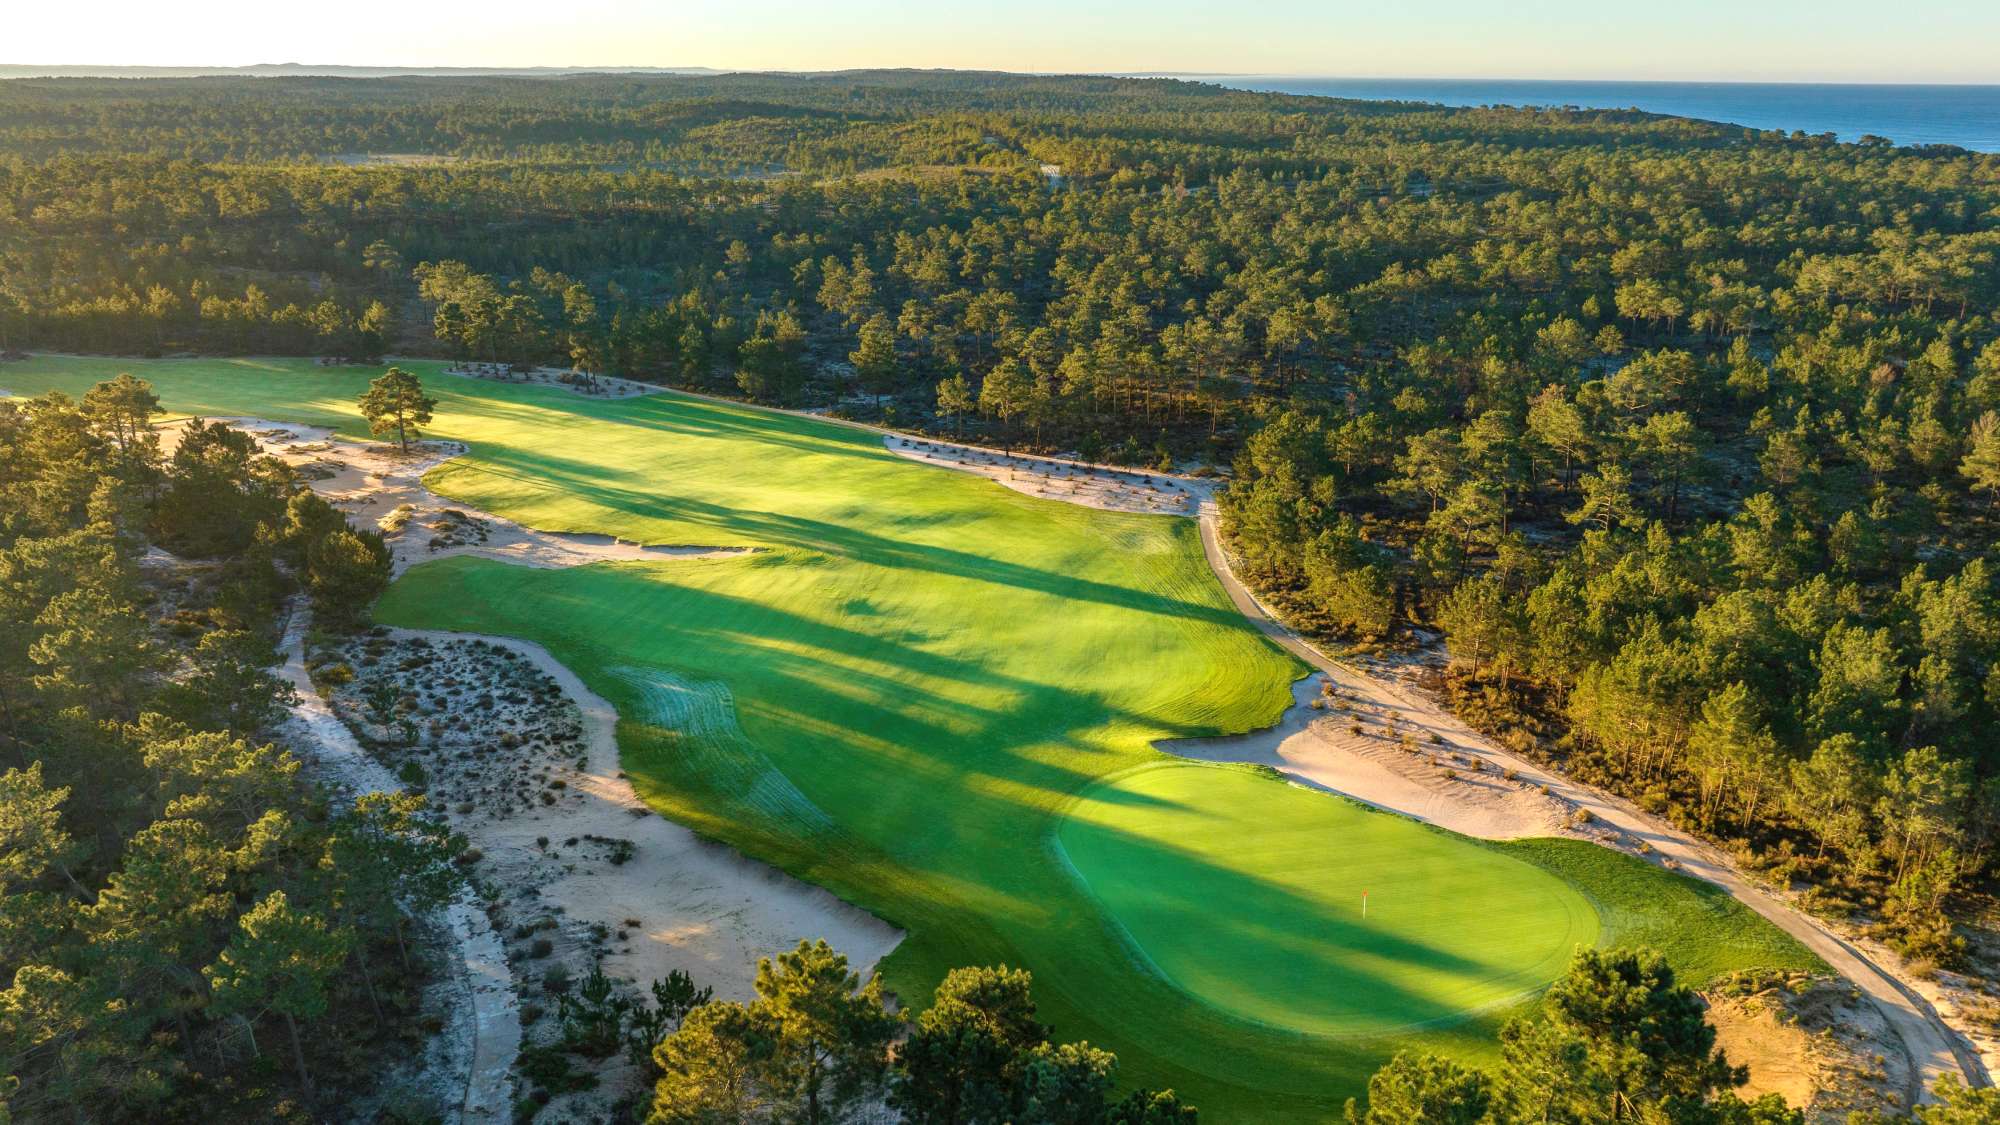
(582, 480)
(679, 414)
(836, 706)
(1218, 932)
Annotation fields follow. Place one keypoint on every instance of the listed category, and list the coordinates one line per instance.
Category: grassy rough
(941, 666)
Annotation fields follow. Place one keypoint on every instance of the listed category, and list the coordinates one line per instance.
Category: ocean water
(1967, 116)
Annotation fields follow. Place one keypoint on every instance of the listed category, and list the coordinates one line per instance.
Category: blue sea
(1967, 116)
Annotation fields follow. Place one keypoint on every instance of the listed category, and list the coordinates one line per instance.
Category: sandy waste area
(1073, 482)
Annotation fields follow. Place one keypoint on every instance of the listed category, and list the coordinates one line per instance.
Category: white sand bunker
(1054, 478)
(470, 1062)
(575, 871)
(1350, 744)
(381, 488)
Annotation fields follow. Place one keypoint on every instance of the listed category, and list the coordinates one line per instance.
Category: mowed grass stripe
(1248, 894)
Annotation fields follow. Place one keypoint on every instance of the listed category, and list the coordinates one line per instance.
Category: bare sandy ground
(1778, 1054)
(577, 874)
(1054, 478)
(700, 907)
(1818, 1043)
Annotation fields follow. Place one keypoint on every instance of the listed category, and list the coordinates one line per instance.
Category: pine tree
(281, 960)
(396, 403)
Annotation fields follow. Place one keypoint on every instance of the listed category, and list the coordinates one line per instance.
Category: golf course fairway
(940, 689)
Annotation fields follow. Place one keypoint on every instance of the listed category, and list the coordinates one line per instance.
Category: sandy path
(703, 907)
(1933, 1047)
(491, 1037)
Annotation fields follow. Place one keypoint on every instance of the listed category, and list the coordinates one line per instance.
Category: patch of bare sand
(380, 487)
(467, 1068)
(1054, 478)
(1356, 745)
(700, 907)
(1777, 1054)
(1815, 1042)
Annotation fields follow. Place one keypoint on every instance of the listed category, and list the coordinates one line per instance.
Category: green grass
(906, 693)
(1248, 894)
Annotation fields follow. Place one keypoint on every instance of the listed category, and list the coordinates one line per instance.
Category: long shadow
(974, 868)
(694, 416)
(1303, 939)
(802, 670)
(581, 479)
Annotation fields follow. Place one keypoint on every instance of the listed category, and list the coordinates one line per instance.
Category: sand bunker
(1053, 478)
(1353, 744)
(469, 1064)
(686, 903)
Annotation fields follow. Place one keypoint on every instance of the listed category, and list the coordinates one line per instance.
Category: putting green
(1254, 903)
(927, 673)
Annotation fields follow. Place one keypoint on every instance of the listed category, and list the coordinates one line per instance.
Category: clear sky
(1750, 40)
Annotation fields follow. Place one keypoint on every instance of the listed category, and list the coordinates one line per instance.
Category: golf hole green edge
(1246, 893)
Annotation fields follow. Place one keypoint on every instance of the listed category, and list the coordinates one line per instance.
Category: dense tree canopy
(172, 893)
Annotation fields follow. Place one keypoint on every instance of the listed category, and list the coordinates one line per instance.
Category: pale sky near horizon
(1954, 41)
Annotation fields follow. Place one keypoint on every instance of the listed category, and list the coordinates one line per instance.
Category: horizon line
(51, 70)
